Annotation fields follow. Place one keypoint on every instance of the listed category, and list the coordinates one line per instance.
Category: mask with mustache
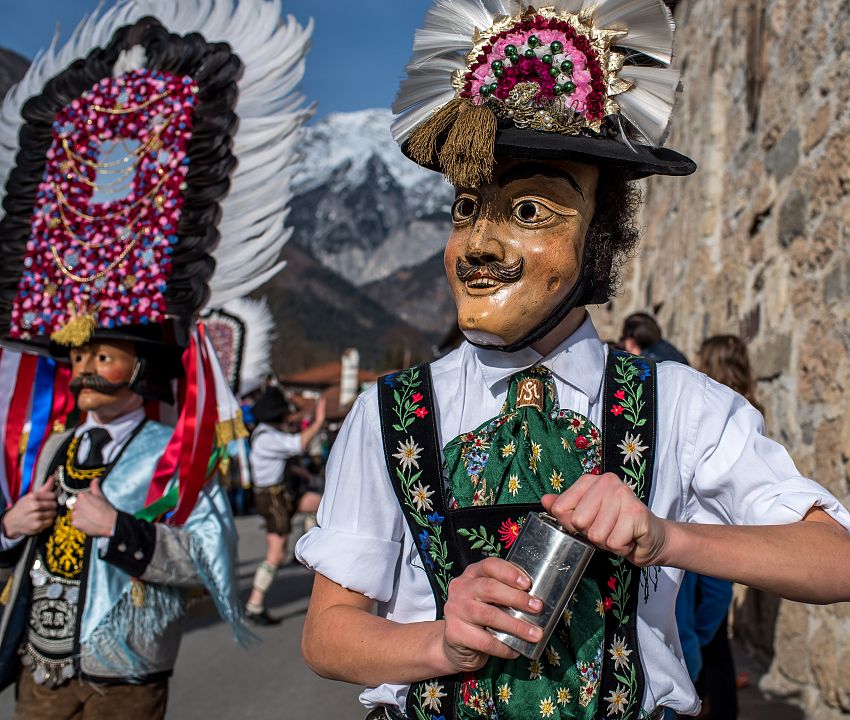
(497, 271)
(96, 383)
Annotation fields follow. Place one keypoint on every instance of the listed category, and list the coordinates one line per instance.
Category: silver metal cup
(555, 561)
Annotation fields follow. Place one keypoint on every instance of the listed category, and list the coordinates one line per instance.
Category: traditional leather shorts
(276, 506)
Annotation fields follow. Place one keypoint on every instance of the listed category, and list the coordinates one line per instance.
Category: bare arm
(344, 640)
(310, 432)
(806, 561)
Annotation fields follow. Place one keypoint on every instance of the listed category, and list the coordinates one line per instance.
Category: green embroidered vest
(472, 505)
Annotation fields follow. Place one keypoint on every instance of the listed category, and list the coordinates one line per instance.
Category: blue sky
(358, 54)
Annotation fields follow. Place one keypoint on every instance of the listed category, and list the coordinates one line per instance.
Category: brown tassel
(422, 146)
(469, 152)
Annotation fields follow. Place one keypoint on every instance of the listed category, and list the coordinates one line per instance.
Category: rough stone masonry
(758, 243)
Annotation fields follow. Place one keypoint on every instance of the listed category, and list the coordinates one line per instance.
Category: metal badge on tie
(555, 561)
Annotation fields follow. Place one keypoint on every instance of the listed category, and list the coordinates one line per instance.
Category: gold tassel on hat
(468, 155)
(422, 145)
(78, 329)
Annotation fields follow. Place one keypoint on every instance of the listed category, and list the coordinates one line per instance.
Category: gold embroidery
(65, 547)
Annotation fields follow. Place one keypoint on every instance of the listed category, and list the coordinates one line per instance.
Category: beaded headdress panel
(592, 69)
(126, 192)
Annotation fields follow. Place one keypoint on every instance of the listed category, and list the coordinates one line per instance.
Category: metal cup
(555, 561)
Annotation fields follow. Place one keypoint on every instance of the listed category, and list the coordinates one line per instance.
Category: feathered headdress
(146, 164)
(241, 332)
(146, 167)
(586, 79)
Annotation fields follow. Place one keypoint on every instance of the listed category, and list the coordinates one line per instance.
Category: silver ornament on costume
(55, 590)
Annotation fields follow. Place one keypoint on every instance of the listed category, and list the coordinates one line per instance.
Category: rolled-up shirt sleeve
(358, 541)
(742, 477)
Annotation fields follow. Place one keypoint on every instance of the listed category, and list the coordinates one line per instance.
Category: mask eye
(103, 357)
(464, 209)
(530, 212)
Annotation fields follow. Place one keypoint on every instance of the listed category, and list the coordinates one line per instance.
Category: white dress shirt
(119, 431)
(713, 465)
(270, 449)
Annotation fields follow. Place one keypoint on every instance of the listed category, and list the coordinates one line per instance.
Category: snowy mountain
(362, 208)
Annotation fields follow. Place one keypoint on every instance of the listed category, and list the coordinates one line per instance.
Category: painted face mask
(516, 250)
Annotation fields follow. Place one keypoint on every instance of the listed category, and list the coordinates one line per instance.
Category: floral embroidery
(480, 540)
(564, 696)
(589, 673)
(617, 701)
(547, 708)
(514, 485)
(552, 657)
(505, 693)
(556, 480)
(535, 669)
(408, 454)
(630, 375)
(431, 695)
(417, 494)
(420, 494)
(620, 652)
(508, 449)
(406, 409)
(509, 532)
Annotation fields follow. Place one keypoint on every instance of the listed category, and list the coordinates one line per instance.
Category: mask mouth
(488, 275)
(97, 383)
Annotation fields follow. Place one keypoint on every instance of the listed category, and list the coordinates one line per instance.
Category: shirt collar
(119, 429)
(578, 361)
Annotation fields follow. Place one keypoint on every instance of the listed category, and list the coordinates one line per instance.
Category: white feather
(270, 109)
(649, 104)
(133, 59)
(649, 24)
(259, 334)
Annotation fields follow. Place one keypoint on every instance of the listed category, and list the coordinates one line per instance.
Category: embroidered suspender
(413, 456)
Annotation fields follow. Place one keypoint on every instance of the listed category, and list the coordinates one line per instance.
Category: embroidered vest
(591, 669)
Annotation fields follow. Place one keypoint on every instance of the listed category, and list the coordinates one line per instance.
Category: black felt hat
(272, 406)
(634, 161)
(594, 85)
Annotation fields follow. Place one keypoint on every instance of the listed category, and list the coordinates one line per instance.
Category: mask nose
(483, 245)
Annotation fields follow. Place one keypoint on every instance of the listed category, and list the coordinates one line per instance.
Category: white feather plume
(271, 112)
(441, 47)
(649, 104)
(259, 334)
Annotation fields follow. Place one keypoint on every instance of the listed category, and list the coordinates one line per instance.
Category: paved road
(217, 680)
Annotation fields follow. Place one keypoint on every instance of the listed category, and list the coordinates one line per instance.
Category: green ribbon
(168, 501)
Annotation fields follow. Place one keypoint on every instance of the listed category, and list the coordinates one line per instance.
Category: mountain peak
(337, 150)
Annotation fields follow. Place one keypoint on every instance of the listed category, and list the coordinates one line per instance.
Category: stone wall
(758, 243)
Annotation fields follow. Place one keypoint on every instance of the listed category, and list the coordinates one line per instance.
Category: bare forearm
(351, 644)
(803, 561)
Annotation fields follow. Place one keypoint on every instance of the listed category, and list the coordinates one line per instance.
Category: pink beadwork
(113, 255)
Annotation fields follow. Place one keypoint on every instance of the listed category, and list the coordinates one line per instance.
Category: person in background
(642, 336)
(275, 500)
(703, 603)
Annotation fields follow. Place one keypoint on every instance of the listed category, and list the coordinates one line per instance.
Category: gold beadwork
(67, 272)
(122, 110)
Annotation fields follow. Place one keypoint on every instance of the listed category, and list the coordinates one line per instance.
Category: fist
(606, 511)
(93, 515)
(33, 513)
(475, 602)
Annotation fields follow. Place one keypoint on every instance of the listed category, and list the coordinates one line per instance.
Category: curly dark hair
(612, 235)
